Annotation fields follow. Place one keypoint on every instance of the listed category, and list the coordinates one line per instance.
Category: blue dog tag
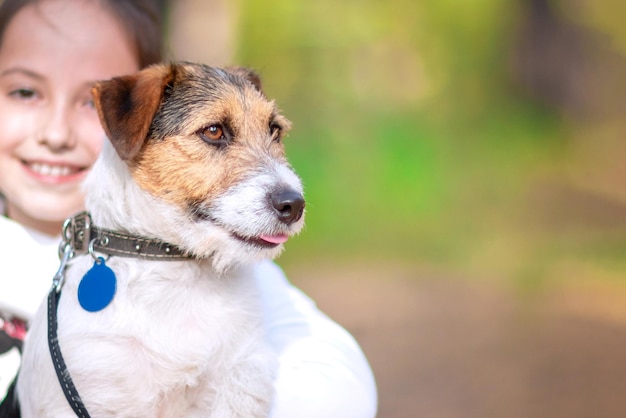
(97, 287)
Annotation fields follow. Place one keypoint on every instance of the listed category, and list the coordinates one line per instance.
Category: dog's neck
(117, 203)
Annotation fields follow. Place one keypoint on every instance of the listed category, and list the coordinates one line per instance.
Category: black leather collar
(84, 237)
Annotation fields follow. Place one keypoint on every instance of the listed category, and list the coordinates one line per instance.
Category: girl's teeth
(46, 170)
(49, 170)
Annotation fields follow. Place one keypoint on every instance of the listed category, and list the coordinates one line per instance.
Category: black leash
(69, 390)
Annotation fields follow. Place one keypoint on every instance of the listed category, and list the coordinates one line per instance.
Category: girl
(51, 53)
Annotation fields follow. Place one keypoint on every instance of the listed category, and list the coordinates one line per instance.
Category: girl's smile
(55, 173)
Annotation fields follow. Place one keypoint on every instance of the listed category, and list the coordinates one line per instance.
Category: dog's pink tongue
(275, 239)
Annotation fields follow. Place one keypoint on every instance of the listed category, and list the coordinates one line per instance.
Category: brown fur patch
(126, 106)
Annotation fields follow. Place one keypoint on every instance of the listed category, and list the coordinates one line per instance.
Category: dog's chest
(166, 312)
(171, 342)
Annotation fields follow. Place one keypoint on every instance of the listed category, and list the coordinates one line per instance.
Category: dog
(196, 164)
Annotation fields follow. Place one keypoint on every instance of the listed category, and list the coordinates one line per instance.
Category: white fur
(181, 338)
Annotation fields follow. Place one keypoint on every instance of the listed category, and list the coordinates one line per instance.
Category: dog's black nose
(288, 205)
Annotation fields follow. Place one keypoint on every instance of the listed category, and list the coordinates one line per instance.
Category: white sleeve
(322, 370)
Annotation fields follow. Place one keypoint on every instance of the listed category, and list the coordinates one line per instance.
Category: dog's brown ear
(126, 106)
(249, 74)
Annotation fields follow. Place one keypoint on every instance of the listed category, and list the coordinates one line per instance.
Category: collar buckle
(77, 232)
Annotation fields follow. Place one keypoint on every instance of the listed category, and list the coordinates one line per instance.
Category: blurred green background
(481, 136)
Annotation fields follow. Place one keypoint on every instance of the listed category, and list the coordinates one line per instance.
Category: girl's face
(51, 55)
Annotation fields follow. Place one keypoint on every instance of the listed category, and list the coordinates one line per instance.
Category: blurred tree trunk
(565, 64)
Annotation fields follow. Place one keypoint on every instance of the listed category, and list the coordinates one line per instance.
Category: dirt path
(445, 347)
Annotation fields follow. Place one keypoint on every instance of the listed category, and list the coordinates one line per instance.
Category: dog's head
(208, 143)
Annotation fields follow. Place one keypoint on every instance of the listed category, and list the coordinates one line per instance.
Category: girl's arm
(322, 370)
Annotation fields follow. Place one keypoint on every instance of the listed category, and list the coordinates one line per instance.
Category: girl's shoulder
(28, 260)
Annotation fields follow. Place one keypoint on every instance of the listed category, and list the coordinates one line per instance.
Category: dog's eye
(276, 131)
(213, 134)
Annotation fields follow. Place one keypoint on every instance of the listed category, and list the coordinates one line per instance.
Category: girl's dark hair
(142, 20)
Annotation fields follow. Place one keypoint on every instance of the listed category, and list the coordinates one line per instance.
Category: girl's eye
(23, 93)
(89, 103)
